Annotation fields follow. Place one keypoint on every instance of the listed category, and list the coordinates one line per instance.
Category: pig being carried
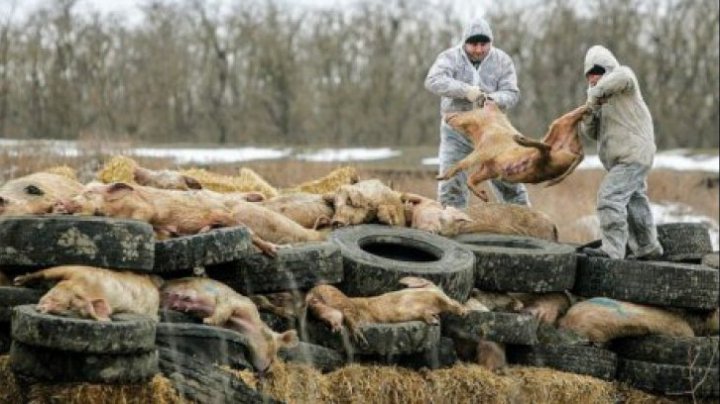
(219, 305)
(502, 152)
(421, 300)
(97, 293)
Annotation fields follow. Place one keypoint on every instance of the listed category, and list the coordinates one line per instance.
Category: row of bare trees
(261, 73)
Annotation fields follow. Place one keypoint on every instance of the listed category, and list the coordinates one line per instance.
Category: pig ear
(414, 282)
(191, 182)
(118, 189)
(329, 198)
(33, 190)
(287, 339)
(412, 198)
(99, 309)
(458, 215)
(254, 197)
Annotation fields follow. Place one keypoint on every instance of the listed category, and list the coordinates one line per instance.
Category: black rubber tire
(197, 382)
(684, 242)
(520, 264)
(711, 260)
(383, 339)
(584, 360)
(322, 358)
(125, 334)
(669, 379)
(11, 296)
(697, 351)
(210, 345)
(182, 254)
(59, 366)
(301, 266)
(550, 335)
(650, 282)
(375, 257)
(5, 338)
(510, 328)
(278, 323)
(442, 355)
(35, 242)
(174, 316)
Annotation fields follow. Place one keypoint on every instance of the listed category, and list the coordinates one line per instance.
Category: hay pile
(329, 183)
(463, 383)
(156, 391)
(118, 169)
(65, 171)
(247, 181)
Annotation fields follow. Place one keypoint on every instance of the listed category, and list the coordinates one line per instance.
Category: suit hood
(601, 56)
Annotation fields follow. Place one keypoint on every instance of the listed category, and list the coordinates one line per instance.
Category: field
(571, 204)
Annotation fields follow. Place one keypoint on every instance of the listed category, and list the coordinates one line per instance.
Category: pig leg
(330, 315)
(578, 158)
(322, 221)
(430, 317)
(527, 142)
(477, 156)
(354, 326)
(483, 173)
(447, 304)
(220, 316)
(55, 274)
(266, 247)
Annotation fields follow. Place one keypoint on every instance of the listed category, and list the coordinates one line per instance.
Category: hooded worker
(467, 75)
(620, 122)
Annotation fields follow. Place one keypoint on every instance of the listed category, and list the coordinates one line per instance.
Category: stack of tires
(529, 265)
(686, 277)
(62, 349)
(374, 259)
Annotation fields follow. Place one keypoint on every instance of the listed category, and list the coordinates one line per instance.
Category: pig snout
(65, 207)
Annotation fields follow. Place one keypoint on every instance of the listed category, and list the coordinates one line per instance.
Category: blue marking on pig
(611, 304)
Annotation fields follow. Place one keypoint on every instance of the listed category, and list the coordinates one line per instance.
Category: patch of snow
(663, 212)
(678, 159)
(350, 154)
(220, 155)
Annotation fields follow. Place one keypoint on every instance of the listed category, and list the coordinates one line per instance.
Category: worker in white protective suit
(467, 76)
(620, 121)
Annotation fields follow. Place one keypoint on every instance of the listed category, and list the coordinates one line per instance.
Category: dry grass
(157, 391)
(463, 383)
(566, 203)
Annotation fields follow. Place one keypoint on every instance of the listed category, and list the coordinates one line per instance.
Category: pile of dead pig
(336, 290)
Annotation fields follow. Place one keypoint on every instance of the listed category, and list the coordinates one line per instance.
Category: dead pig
(219, 305)
(97, 293)
(165, 179)
(311, 211)
(272, 226)
(505, 218)
(365, 202)
(36, 193)
(421, 300)
(426, 214)
(602, 319)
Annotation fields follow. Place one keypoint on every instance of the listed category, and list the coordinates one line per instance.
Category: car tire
(376, 257)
